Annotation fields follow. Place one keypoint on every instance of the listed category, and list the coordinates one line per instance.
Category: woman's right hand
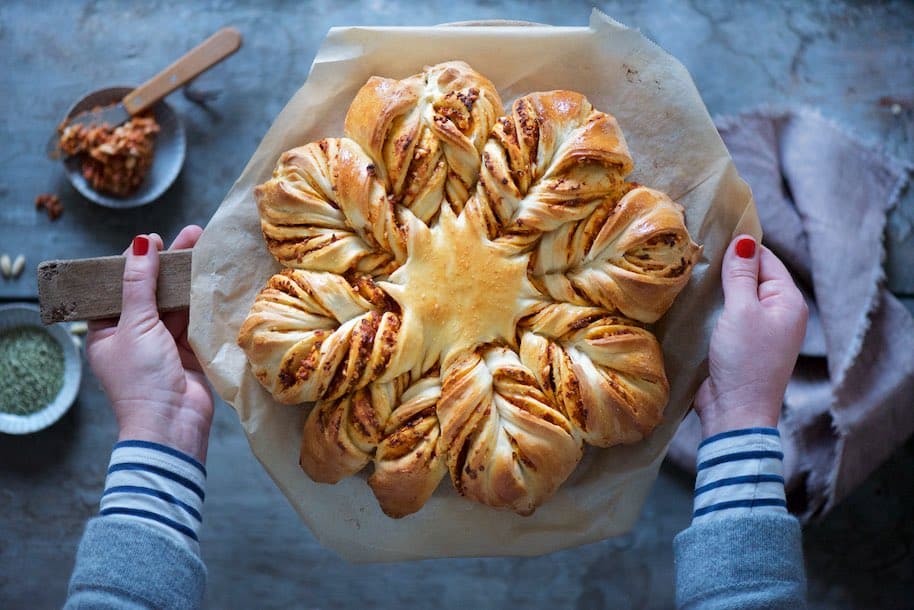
(144, 360)
(755, 343)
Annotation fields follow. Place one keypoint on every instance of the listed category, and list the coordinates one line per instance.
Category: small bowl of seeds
(40, 370)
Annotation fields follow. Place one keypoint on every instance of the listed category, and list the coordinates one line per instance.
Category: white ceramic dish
(25, 314)
(167, 161)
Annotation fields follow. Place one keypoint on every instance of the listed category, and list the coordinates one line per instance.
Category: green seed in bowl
(31, 370)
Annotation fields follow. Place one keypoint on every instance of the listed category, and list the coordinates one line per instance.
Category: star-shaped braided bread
(466, 291)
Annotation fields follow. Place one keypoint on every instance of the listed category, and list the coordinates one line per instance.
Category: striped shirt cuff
(740, 472)
(157, 485)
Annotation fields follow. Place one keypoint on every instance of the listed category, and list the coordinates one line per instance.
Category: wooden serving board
(90, 288)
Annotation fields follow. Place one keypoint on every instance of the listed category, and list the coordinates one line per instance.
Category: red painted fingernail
(140, 245)
(745, 248)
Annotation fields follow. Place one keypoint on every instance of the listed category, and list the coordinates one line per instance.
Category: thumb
(740, 271)
(141, 271)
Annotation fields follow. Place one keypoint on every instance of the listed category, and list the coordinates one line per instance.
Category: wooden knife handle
(90, 288)
(199, 59)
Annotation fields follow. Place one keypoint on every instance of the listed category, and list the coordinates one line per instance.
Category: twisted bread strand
(605, 373)
(313, 336)
(407, 464)
(325, 210)
(505, 445)
(425, 133)
(548, 162)
(340, 435)
(633, 256)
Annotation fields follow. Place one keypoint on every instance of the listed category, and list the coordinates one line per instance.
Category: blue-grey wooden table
(853, 61)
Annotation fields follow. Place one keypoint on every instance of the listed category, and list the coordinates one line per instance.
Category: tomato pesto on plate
(115, 160)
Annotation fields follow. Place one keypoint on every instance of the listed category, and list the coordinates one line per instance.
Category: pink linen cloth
(823, 198)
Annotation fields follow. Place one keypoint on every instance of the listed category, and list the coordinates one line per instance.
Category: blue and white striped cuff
(739, 472)
(157, 485)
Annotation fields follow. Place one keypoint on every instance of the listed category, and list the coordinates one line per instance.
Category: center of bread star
(457, 289)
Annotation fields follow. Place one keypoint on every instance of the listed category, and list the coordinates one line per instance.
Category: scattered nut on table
(18, 266)
(6, 265)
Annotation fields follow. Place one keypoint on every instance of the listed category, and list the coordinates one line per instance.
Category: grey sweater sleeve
(126, 564)
(743, 550)
(143, 551)
(747, 561)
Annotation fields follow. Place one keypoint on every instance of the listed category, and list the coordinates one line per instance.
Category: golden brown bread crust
(550, 161)
(634, 256)
(506, 446)
(313, 336)
(465, 293)
(408, 464)
(425, 133)
(341, 434)
(605, 372)
(325, 210)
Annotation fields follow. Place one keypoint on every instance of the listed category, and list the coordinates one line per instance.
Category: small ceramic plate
(166, 164)
(12, 316)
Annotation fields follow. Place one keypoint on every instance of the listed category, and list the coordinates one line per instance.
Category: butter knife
(199, 59)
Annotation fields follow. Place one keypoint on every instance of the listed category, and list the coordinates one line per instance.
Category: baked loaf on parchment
(466, 291)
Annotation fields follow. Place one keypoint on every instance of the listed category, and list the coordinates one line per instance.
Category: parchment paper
(676, 149)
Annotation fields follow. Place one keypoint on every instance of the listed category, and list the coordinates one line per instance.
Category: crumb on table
(50, 203)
